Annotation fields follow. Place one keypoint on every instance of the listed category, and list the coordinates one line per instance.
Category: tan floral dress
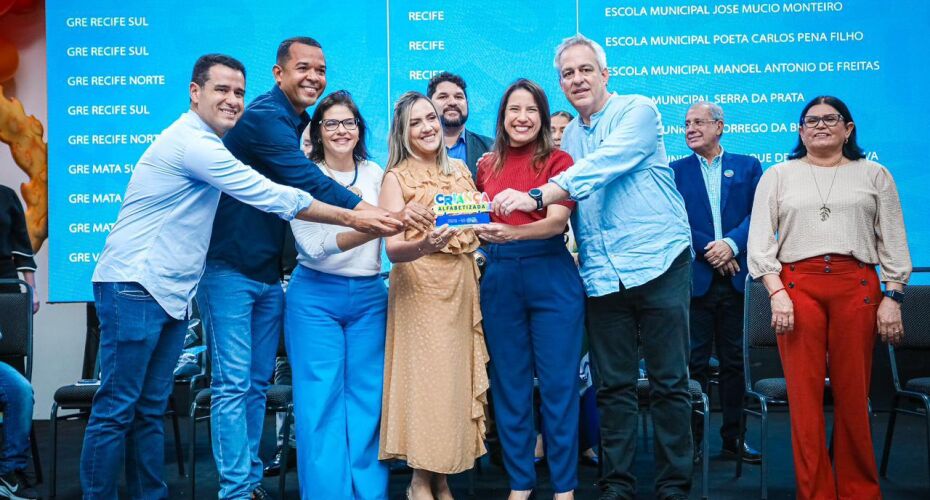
(435, 375)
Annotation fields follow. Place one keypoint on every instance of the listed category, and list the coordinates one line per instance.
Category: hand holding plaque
(496, 233)
(437, 239)
(416, 216)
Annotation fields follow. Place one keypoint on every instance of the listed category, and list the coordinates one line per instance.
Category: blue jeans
(139, 347)
(532, 301)
(16, 398)
(242, 321)
(335, 329)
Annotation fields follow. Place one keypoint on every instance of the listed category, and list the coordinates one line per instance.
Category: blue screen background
(367, 48)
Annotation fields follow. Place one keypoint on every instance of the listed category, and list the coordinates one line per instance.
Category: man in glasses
(240, 297)
(718, 188)
(447, 91)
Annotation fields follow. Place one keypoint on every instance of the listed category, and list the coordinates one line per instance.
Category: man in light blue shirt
(718, 188)
(151, 264)
(635, 257)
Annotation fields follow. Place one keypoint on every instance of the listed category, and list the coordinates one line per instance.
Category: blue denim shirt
(162, 233)
(630, 221)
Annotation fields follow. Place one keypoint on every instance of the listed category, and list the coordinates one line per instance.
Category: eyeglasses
(699, 122)
(811, 121)
(348, 123)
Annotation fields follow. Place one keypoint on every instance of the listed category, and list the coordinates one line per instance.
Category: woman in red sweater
(532, 298)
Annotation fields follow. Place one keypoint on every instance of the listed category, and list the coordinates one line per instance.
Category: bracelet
(776, 291)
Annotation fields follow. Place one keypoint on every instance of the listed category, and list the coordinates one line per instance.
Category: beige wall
(59, 328)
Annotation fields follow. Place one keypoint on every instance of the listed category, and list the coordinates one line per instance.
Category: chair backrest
(915, 314)
(758, 333)
(757, 317)
(16, 323)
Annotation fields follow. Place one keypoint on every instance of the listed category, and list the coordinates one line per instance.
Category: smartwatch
(895, 295)
(537, 195)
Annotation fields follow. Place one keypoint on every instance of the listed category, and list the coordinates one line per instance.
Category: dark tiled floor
(907, 472)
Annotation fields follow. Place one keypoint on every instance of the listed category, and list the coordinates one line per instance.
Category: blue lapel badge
(728, 173)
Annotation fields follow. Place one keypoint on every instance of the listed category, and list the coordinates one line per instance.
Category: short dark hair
(851, 149)
(445, 76)
(544, 144)
(343, 97)
(564, 114)
(284, 48)
(201, 72)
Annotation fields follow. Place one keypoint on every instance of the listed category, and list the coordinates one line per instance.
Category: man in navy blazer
(718, 189)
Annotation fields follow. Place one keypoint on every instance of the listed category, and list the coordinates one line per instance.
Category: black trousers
(717, 319)
(658, 312)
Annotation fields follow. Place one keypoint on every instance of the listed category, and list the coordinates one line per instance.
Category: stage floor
(907, 476)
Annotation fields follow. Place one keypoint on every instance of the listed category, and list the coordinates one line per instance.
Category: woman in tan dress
(435, 378)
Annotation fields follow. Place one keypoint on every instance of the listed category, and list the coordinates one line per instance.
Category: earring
(847, 140)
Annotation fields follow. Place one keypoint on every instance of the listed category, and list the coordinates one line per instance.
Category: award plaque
(462, 210)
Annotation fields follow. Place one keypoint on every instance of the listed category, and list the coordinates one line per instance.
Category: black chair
(16, 344)
(279, 399)
(913, 396)
(80, 398)
(700, 405)
(759, 335)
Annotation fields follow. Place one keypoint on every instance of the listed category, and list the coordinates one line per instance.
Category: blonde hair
(399, 149)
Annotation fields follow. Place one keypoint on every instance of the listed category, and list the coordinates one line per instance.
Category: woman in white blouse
(820, 224)
(335, 322)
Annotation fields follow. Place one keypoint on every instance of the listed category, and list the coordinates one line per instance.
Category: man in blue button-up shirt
(150, 267)
(635, 260)
(240, 297)
(718, 188)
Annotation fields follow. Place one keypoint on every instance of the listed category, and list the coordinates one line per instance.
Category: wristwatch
(895, 295)
(536, 194)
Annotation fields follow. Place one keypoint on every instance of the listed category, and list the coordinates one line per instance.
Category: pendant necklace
(824, 209)
(350, 186)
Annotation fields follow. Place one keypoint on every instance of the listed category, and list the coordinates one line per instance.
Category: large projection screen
(119, 70)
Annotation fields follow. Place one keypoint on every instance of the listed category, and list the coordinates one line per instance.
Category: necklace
(824, 209)
(350, 186)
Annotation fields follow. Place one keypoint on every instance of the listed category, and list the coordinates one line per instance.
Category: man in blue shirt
(718, 188)
(241, 300)
(150, 266)
(635, 260)
(447, 91)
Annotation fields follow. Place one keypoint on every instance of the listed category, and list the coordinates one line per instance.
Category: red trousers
(835, 305)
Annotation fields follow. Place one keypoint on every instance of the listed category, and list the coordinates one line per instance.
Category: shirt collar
(195, 120)
(597, 116)
(460, 140)
(717, 159)
(296, 119)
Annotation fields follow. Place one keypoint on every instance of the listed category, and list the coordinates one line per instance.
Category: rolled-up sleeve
(762, 245)
(894, 257)
(23, 257)
(208, 160)
(630, 142)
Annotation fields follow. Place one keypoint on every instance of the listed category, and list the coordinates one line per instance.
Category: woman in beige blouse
(435, 378)
(820, 223)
